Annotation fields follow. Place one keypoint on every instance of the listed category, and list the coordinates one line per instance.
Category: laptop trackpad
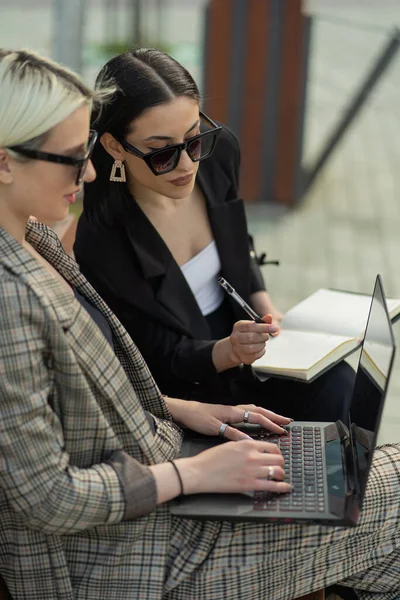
(194, 443)
(194, 446)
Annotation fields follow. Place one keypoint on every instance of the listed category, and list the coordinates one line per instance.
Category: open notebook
(317, 333)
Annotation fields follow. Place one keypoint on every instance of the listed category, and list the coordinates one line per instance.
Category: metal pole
(68, 25)
(159, 21)
(110, 22)
(137, 21)
(357, 102)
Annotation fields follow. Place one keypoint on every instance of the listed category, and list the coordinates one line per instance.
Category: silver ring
(221, 431)
(246, 416)
(271, 472)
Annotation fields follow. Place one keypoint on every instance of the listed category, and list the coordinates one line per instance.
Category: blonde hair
(36, 95)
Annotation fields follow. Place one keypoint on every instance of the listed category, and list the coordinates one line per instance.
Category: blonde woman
(88, 446)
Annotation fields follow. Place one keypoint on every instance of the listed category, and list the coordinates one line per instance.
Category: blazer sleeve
(228, 156)
(170, 355)
(49, 493)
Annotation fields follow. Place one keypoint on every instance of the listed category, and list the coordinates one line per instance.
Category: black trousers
(327, 398)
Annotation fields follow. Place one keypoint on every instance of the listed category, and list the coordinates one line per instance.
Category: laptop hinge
(349, 458)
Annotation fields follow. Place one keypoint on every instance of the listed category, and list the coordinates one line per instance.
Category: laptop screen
(371, 382)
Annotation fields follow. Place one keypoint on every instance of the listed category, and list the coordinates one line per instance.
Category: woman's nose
(185, 162)
(90, 173)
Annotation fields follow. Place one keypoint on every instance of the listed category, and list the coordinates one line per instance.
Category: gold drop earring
(118, 165)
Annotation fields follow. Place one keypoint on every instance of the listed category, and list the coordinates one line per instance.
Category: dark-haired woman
(160, 225)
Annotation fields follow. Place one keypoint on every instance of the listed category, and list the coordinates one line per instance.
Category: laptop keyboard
(301, 448)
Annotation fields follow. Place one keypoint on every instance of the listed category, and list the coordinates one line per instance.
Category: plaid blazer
(67, 403)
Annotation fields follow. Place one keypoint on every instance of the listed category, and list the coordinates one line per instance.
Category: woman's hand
(208, 418)
(245, 344)
(248, 339)
(243, 466)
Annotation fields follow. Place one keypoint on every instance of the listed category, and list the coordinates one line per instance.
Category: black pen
(233, 293)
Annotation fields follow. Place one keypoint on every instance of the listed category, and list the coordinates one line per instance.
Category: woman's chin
(180, 193)
(54, 217)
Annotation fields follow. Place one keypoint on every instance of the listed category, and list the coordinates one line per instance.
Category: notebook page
(298, 350)
(330, 311)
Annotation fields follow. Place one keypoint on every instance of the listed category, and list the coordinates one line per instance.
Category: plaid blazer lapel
(19, 261)
(45, 241)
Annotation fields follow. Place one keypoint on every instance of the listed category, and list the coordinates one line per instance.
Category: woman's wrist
(223, 355)
(169, 485)
(191, 475)
(179, 408)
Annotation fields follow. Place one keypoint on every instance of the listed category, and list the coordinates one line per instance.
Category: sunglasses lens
(83, 167)
(202, 146)
(164, 161)
(81, 172)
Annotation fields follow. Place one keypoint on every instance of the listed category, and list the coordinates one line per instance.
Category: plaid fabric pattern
(67, 402)
(251, 561)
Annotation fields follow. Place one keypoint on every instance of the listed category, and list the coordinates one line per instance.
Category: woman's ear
(6, 176)
(111, 146)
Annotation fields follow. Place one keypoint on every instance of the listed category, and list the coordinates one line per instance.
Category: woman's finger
(235, 414)
(252, 349)
(250, 414)
(258, 419)
(247, 339)
(234, 435)
(267, 459)
(272, 416)
(274, 473)
(279, 419)
(267, 447)
(251, 326)
(256, 337)
(267, 485)
(241, 414)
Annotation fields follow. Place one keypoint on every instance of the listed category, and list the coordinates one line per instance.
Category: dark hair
(143, 78)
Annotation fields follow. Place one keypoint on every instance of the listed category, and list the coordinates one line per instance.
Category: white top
(201, 273)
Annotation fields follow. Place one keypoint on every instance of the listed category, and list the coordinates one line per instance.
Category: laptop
(327, 463)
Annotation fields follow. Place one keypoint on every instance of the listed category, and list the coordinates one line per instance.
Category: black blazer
(133, 270)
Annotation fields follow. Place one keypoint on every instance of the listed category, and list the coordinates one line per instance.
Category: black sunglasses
(79, 163)
(166, 159)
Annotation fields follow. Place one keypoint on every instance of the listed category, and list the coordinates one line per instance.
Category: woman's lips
(181, 181)
(71, 198)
